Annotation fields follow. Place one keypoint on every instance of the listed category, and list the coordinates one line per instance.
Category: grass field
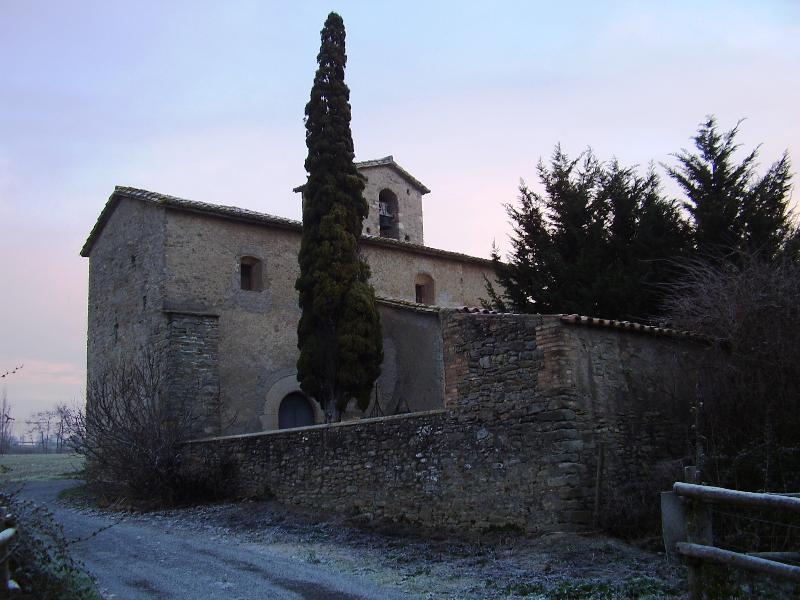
(36, 467)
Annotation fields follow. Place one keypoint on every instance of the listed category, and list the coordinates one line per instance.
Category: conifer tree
(731, 210)
(339, 333)
(600, 240)
(646, 236)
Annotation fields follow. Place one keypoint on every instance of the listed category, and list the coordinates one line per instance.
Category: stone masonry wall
(457, 283)
(257, 329)
(192, 367)
(409, 203)
(412, 374)
(443, 469)
(125, 288)
(527, 440)
(619, 399)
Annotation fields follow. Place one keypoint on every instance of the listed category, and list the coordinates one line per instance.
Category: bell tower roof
(388, 161)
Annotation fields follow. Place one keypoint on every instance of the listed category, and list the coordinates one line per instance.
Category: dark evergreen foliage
(603, 240)
(339, 334)
(732, 210)
(597, 242)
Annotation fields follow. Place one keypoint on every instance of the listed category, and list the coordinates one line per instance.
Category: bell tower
(395, 201)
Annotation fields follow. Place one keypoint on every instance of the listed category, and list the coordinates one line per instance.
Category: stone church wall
(412, 372)
(126, 288)
(191, 367)
(543, 421)
(257, 339)
(257, 329)
(456, 283)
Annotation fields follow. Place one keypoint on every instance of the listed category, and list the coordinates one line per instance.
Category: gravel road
(150, 559)
(264, 550)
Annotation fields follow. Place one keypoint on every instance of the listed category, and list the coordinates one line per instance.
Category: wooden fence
(687, 527)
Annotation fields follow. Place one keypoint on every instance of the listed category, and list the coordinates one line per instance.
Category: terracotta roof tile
(478, 310)
(407, 304)
(631, 326)
(597, 322)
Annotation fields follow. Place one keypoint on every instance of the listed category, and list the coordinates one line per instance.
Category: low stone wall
(443, 468)
(542, 419)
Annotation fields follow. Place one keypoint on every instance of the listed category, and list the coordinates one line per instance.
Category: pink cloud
(45, 372)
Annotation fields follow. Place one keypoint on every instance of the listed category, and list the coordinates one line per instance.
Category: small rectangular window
(420, 293)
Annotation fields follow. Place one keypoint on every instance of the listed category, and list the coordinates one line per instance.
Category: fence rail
(8, 587)
(686, 523)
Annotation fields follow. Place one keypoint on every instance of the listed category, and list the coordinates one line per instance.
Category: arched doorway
(295, 411)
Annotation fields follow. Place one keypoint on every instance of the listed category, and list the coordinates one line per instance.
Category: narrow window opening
(424, 290)
(250, 274)
(247, 277)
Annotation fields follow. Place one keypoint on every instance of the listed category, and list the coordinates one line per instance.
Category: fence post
(698, 531)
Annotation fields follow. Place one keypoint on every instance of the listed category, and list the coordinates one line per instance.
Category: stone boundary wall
(443, 469)
(542, 421)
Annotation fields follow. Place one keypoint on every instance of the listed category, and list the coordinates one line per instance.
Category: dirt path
(146, 558)
(262, 550)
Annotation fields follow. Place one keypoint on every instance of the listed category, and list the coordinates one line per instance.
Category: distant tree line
(602, 239)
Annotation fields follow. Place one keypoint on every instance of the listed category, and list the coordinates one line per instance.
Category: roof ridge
(244, 214)
(390, 162)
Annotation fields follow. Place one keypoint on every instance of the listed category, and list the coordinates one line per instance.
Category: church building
(210, 289)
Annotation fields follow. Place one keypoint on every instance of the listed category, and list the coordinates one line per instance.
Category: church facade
(211, 289)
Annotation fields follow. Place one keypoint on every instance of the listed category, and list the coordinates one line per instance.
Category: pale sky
(204, 100)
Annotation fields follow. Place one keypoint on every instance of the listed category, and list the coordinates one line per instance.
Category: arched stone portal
(295, 411)
(278, 391)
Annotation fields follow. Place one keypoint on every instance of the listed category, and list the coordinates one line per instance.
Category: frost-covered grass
(37, 467)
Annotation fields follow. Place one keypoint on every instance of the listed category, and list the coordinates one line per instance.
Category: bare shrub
(131, 434)
(748, 401)
(630, 509)
(40, 560)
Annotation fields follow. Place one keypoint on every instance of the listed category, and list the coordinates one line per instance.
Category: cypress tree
(339, 333)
